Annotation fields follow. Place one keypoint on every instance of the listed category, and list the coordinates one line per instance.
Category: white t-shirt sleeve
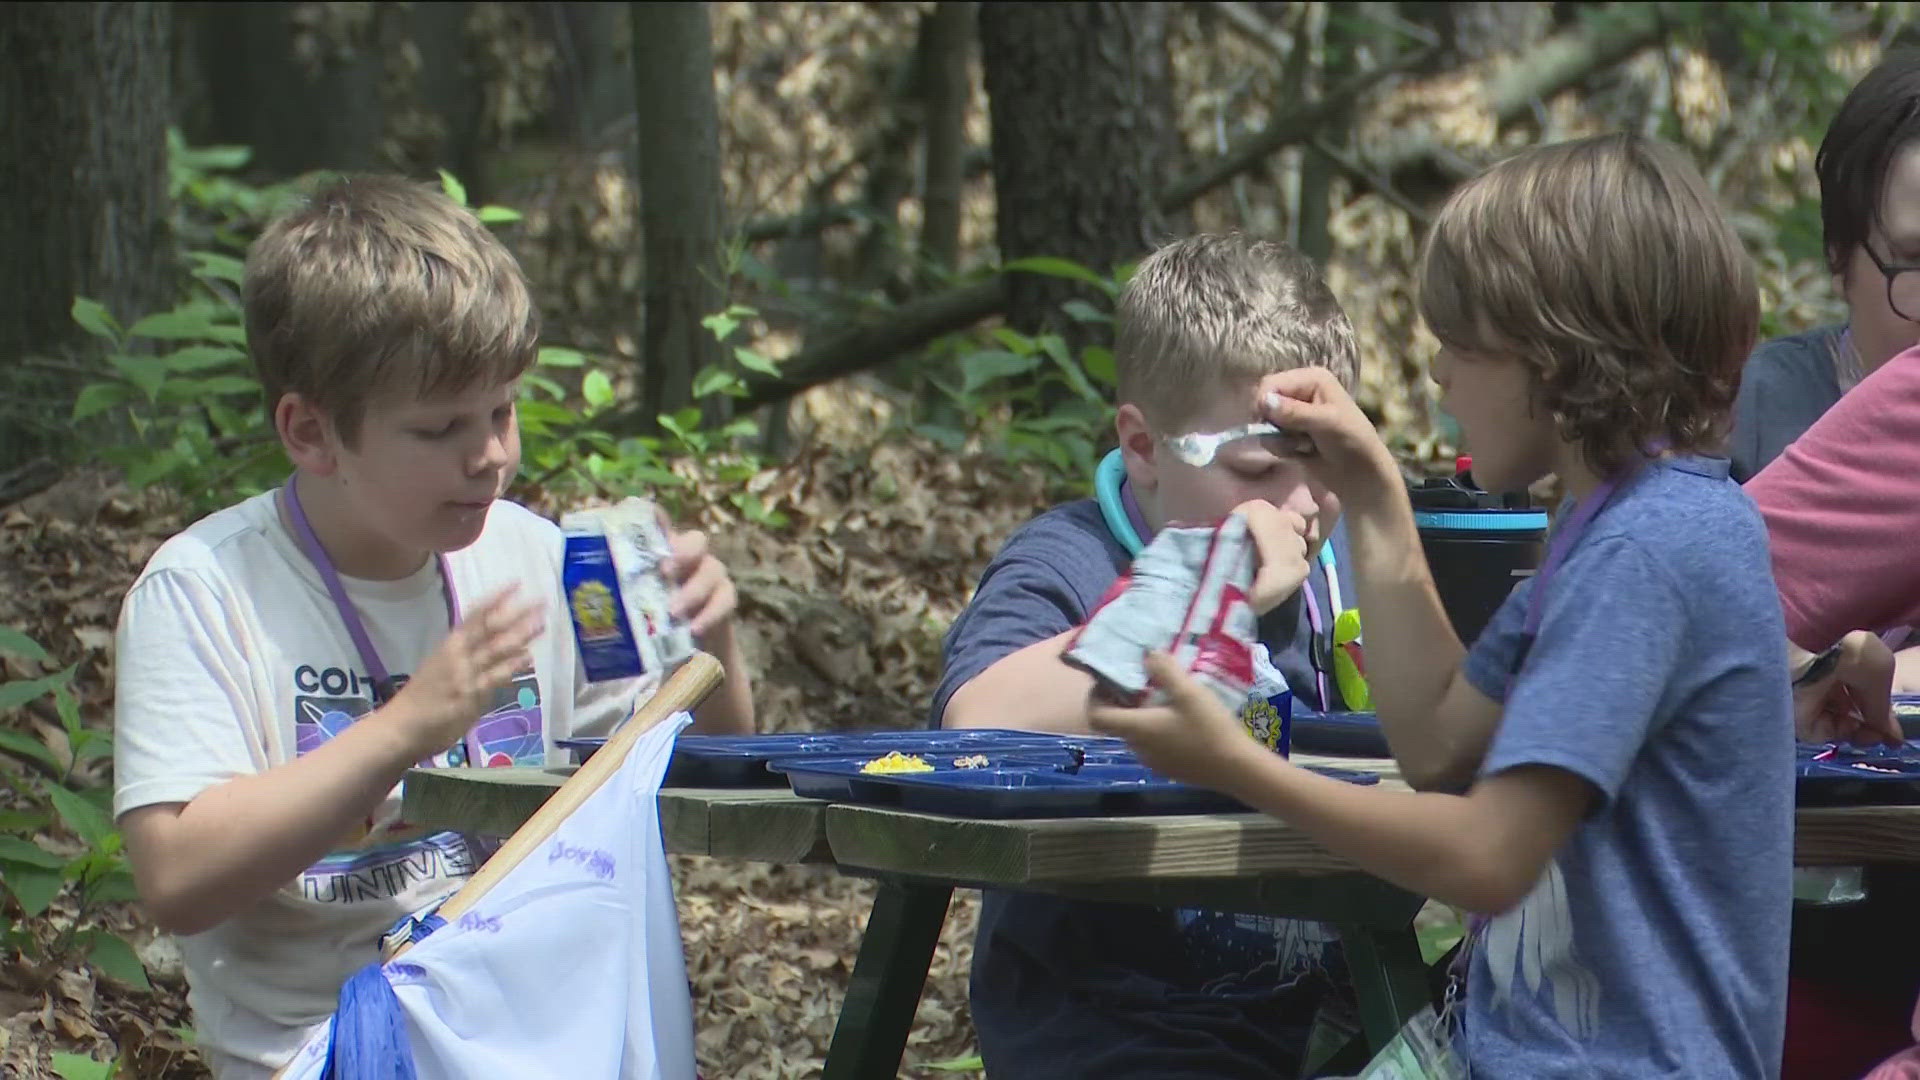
(185, 718)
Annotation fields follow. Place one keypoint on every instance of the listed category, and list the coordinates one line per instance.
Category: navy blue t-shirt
(1067, 988)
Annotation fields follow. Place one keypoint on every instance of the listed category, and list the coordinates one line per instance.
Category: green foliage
(1031, 399)
(36, 868)
(76, 1067)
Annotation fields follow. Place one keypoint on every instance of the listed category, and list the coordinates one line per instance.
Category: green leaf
(26, 746)
(753, 361)
(75, 1067)
(533, 380)
(498, 215)
(961, 1064)
(1016, 342)
(95, 319)
(88, 822)
(554, 356)
(714, 379)
(744, 427)
(211, 158)
(1082, 311)
(455, 189)
(981, 368)
(34, 887)
(117, 887)
(182, 323)
(18, 693)
(18, 644)
(144, 372)
(218, 267)
(597, 389)
(191, 358)
(676, 424)
(23, 822)
(721, 324)
(1056, 267)
(227, 386)
(1098, 362)
(14, 850)
(69, 709)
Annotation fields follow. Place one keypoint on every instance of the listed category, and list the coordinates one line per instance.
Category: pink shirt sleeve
(1842, 505)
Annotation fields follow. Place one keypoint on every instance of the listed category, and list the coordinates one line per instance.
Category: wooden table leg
(1390, 980)
(887, 980)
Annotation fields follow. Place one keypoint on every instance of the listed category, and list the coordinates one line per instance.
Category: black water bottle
(1479, 545)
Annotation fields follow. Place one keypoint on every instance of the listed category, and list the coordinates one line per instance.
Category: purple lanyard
(383, 685)
(1558, 548)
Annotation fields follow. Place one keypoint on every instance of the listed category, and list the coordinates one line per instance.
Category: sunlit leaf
(455, 189)
(95, 319)
(18, 644)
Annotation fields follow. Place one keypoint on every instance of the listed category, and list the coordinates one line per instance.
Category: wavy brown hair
(1608, 268)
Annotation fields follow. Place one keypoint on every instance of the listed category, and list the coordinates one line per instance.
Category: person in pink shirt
(1842, 507)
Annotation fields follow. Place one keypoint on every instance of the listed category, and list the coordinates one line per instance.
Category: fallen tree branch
(1564, 60)
(1602, 40)
(1289, 130)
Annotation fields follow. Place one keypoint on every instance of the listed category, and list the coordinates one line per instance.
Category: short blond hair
(1607, 267)
(1217, 312)
(379, 287)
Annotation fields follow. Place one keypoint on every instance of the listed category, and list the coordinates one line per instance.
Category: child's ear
(1138, 447)
(307, 434)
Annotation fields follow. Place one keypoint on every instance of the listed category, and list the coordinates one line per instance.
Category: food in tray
(971, 761)
(896, 762)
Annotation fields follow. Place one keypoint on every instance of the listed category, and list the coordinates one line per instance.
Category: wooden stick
(686, 688)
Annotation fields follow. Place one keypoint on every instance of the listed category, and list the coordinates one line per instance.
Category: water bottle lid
(1463, 464)
(1487, 520)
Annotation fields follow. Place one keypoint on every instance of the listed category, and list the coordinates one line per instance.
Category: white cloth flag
(570, 966)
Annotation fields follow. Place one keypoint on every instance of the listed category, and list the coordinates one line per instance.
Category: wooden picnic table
(1250, 863)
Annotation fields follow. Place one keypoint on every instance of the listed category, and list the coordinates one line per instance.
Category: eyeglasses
(1903, 285)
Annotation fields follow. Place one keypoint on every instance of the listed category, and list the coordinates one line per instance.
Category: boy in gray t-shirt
(1621, 734)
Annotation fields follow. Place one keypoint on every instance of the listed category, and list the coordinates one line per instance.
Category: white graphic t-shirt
(232, 659)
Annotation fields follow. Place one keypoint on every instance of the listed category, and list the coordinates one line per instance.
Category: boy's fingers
(719, 607)
(689, 551)
(1184, 693)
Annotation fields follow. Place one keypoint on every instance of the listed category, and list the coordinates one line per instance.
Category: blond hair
(379, 287)
(1608, 268)
(1217, 312)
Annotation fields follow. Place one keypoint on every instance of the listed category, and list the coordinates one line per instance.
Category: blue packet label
(608, 649)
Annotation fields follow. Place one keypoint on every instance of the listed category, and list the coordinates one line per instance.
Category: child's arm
(1437, 723)
(1029, 688)
(707, 598)
(203, 861)
(1482, 851)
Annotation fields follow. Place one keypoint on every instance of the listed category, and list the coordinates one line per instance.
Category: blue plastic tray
(831, 777)
(1030, 791)
(741, 760)
(1858, 776)
(1342, 734)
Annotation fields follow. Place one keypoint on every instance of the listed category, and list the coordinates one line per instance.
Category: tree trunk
(1079, 137)
(679, 126)
(949, 45)
(297, 114)
(83, 162)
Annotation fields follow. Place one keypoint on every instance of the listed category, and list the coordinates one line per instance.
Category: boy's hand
(1191, 738)
(704, 595)
(454, 685)
(1281, 537)
(1854, 703)
(1347, 453)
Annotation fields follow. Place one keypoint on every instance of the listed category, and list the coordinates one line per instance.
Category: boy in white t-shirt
(283, 662)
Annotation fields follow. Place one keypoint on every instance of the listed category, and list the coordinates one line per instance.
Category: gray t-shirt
(1656, 943)
(1787, 384)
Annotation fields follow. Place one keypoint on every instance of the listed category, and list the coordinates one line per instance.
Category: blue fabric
(1786, 385)
(368, 1040)
(1065, 988)
(1659, 677)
